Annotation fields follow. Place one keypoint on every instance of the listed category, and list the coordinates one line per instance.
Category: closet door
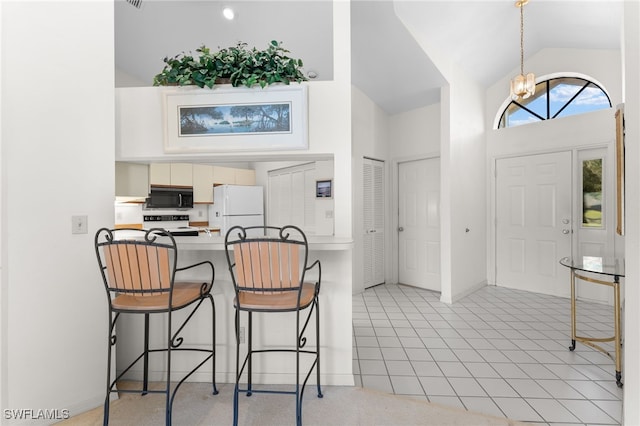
(373, 220)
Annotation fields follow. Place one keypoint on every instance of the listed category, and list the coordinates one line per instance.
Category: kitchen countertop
(316, 242)
(216, 242)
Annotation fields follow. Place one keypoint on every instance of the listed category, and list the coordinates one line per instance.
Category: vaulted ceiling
(389, 62)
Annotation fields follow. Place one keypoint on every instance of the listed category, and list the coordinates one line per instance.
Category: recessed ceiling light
(228, 13)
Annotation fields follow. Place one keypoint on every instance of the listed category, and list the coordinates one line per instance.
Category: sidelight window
(592, 193)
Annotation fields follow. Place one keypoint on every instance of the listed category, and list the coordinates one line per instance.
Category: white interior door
(373, 220)
(419, 223)
(534, 222)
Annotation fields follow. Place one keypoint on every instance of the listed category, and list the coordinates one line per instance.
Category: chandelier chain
(522, 39)
(522, 86)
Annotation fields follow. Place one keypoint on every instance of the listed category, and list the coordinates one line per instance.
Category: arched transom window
(554, 98)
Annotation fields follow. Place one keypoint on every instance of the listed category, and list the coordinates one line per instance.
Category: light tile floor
(498, 351)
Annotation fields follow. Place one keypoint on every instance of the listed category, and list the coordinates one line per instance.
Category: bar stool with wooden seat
(268, 266)
(139, 269)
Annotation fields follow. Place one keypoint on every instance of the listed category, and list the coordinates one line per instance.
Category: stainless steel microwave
(170, 198)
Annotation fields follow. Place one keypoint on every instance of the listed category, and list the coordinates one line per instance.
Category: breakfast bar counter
(335, 304)
(216, 242)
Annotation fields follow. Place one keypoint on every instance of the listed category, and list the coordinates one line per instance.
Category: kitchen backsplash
(131, 214)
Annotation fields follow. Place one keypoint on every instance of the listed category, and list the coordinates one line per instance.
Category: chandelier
(522, 86)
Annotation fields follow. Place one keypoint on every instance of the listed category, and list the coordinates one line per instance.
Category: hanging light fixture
(522, 86)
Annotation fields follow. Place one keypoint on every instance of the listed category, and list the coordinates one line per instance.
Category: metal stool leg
(213, 345)
(320, 395)
(235, 389)
(250, 352)
(110, 343)
(298, 395)
(168, 399)
(145, 372)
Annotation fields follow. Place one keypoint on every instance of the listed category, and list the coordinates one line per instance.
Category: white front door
(419, 223)
(534, 222)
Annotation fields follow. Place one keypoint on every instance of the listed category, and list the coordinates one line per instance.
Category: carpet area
(341, 405)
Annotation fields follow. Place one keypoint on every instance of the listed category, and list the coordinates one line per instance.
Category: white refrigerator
(236, 205)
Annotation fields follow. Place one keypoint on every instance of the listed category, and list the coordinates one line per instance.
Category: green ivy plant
(237, 65)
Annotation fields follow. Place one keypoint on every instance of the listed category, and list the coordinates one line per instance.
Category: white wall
(57, 161)
(123, 79)
(631, 98)
(415, 133)
(463, 194)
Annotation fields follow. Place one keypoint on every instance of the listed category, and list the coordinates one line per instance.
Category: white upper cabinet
(224, 175)
(233, 176)
(203, 183)
(171, 174)
(132, 180)
(160, 174)
(181, 174)
(245, 177)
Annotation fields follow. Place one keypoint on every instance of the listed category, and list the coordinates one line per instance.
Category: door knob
(400, 229)
(565, 231)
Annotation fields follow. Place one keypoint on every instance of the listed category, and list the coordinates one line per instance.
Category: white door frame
(491, 240)
(392, 230)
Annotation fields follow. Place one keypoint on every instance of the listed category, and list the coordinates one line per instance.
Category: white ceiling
(388, 62)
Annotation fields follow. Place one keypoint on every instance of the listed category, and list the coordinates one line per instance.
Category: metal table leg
(591, 341)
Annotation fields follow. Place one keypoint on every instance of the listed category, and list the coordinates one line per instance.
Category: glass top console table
(609, 271)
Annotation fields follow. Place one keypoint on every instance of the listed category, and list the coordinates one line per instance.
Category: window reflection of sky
(592, 98)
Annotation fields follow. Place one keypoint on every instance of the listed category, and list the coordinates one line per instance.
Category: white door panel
(533, 198)
(419, 223)
(373, 222)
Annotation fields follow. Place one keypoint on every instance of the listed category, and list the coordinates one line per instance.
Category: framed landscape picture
(236, 119)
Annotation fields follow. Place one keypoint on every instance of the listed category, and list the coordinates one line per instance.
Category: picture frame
(324, 188)
(619, 116)
(227, 119)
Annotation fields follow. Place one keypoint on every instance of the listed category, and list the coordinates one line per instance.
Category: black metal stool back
(138, 268)
(268, 267)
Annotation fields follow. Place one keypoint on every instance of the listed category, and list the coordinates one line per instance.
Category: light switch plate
(79, 225)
